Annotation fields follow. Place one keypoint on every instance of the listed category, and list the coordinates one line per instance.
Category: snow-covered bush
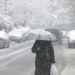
(6, 23)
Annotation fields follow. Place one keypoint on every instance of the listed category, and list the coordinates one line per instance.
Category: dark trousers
(42, 66)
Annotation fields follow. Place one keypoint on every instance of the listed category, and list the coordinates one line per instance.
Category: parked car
(4, 40)
(71, 39)
(57, 34)
(16, 35)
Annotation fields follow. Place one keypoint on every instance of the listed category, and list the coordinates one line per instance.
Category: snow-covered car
(4, 40)
(71, 39)
(16, 35)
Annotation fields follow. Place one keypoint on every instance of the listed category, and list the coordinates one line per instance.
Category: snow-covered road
(19, 60)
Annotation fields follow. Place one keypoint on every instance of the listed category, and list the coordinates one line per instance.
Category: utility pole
(5, 11)
(5, 5)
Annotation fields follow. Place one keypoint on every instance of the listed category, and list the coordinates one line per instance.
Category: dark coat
(44, 56)
(44, 49)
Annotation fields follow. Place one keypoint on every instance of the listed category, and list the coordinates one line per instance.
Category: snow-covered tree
(42, 13)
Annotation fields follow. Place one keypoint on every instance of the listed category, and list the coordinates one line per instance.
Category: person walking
(44, 56)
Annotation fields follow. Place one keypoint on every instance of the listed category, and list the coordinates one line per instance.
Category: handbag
(54, 70)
